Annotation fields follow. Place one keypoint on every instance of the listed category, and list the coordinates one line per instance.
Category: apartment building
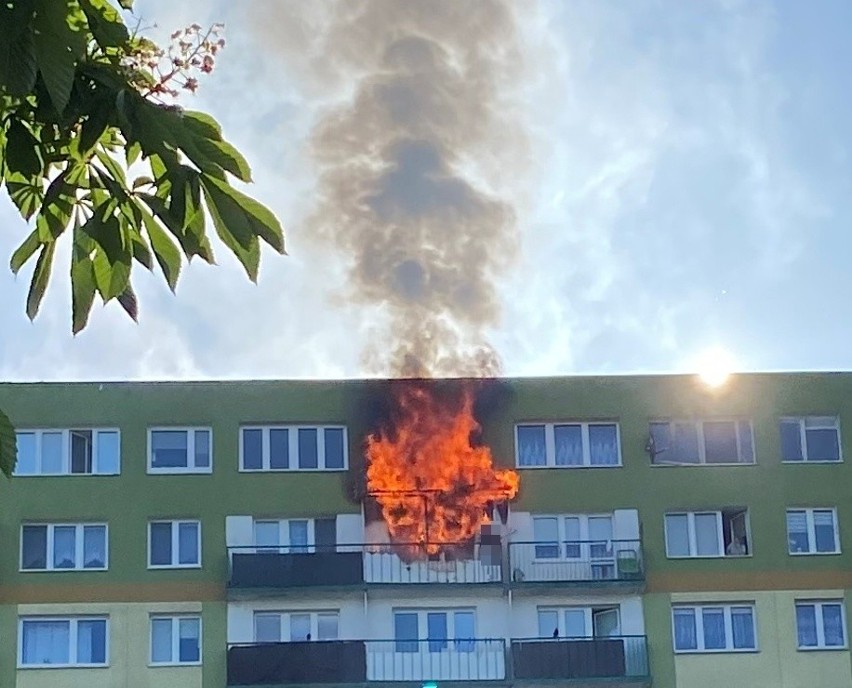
(217, 534)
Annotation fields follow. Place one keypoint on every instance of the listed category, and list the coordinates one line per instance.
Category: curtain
(824, 530)
(94, 547)
(188, 543)
(568, 440)
(832, 621)
(189, 634)
(169, 449)
(742, 625)
(686, 637)
(797, 531)
(806, 625)
(64, 547)
(603, 445)
(161, 640)
(713, 621)
(531, 445)
(91, 641)
(45, 642)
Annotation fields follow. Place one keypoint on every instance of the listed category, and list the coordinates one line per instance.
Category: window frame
(175, 619)
(283, 614)
(818, 605)
(811, 530)
(693, 538)
(698, 423)
(293, 447)
(803, 442)
(727, 610)
(585, 540)
(550, 444)
(73, 622)
(424, 642)
(175, 552)
(589, 613)
(66, 450)
(190, 431)
(79, 547)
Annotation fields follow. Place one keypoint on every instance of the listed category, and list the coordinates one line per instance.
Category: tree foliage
(81, 107)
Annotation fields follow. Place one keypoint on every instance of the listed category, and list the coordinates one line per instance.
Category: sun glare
(714, 366)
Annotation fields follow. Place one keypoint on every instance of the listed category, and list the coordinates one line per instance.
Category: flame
(434, 487)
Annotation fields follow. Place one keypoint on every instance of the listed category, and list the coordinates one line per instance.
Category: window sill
(726, 651)
(570, 467)
(89, 570)
(803, 462)
(293, 470)
(65, 475)
(831, 648)
(737, 464)
(815, 554)
(172, 665)
(170, 567)
(30, 667)
(179, 471)
(709, 556)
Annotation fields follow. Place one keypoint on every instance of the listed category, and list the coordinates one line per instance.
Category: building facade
(215, 534)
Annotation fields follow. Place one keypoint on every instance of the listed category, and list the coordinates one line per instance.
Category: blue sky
(686, 184)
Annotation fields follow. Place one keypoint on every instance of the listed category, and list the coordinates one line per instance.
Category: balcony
(276, 568)
(582, 564)
(358, 661)
(616, 660)
(406, 564)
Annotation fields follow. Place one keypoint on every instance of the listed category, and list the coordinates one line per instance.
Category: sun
(714, 366)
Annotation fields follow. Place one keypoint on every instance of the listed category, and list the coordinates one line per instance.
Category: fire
(434, 487)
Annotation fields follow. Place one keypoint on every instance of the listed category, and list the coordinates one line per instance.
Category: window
(62, 642)
(578, 537)
(714, 628)
(693, 442)
(578, 622)
(175, 639)
(723, 533)
(296, 536)
(293, 448)
(68, 452)
(810, 438)
(179, 450)
(812, 531)
(821, 625)
(174, 544)
(63, 547)
(295, 626)
(436, 627)
(567, 445)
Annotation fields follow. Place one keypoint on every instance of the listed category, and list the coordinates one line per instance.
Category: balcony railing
(576, 560)
(612, 657)
(412, 563)
(436, 660)
(283, 567)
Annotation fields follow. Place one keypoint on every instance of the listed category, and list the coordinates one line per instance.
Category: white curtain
(806, 625)
(189, 636)
(64, 546)
(91, 641)
(94, 547)
(686, 637)
(832, 621)
(45, 642)
(742, 625)
(603, 445)
(161, 640)
(569, 445)
(713, 620)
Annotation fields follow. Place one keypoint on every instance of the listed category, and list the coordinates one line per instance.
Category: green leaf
(114, 168)
(82, 282)
(22, 150)
(8, 446)
(26, 193)
(126, 4)
(131, 153)
(41, 276)
(54, 53)
(202, 124)
(93, 127)
(191, 243)
(111, 278)
(17, 61)
(129, 303)
(104, 228)
(25, 251)
(105, 23)
(58, 205)
(165, 251)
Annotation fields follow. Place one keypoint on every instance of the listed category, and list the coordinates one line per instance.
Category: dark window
(279, 448)
(334, 447)
(308, 448)
(34, 547)
(252, 448)
(325, 534)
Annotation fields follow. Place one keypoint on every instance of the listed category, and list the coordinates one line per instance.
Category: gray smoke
(403, 168)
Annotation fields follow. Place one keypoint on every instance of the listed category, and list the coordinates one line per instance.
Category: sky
(683, 184)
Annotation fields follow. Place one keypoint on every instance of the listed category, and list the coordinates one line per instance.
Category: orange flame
(433, 486)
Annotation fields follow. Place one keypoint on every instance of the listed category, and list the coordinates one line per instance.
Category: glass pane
(823, 445)
(94, 547)
(109, 448)
(327, 627)
(742, 624)
(606, 623)
(661, 445)
(797, 532)
(405, 631)
(531, 446)
(298, 536)
(189, 635)
(806, 625)
(308, 448)
(202, 448)
(575, 623)
(568, 441)
(81, 451)
(464, 631)
(51, 452)
(267, 533)
(325, 534)
(824, 530)
(600, 533)
(45, 642)
(720, 442)
(161, 640)
(252, 449)
(333, 447)
(572, 538)
(546, 536)
(161, 544)
(27, 463)
(279, 448)
(91, 641)
(548, 623)
(685, 448)
(677, 535)
(267, 628)
(168, 449)
(436, 628)
(603, 444)
(64, 547)
(34, 547)
(713, 620)
(706, 534)
(791, 441)
(188, 543)
(300, 627)
(685, 633)
(832, 622)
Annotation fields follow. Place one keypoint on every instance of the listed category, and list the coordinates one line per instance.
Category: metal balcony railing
(576, 560)
(413, 563)
(471, 659)
(610, 657)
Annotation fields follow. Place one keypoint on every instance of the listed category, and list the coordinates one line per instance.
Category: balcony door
(579, 622)
(295, 536)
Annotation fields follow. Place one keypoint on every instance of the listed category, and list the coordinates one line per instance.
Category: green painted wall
(8, 644)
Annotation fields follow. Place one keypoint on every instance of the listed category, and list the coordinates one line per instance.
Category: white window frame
(190, 449)
(693, 540)
(73, 621)
(726, 607)
(293, 451)
(550, 444)
(589, 612)
(66, 450)
(809, 517)
(175, 619)
(585, 539)
(175, 543)
(820, 624)
(423, 626)
(79, 551)
(284, 545)
(698, 423)
(284, 626)
(803, 441)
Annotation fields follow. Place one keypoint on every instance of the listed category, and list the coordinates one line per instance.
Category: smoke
(404, 162)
